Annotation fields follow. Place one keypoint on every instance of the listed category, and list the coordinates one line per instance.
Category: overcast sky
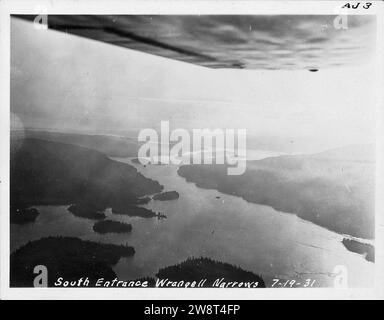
(63, 82)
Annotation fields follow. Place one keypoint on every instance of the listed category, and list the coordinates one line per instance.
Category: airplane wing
(230, 41)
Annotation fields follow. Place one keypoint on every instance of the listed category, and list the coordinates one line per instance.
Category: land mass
(134, 211)
(67, 257)
(23, 215)
(195, 269)
(365, 249)
(168, 195)
(113, 146)
(86, 211)
(334, 189)
(53, 173)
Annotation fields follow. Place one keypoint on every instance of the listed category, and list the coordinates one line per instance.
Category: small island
(165, 196)
(365, 249)
(134, 211)
(110, 226)
(67, 257)
(86, 211)
(23, 215)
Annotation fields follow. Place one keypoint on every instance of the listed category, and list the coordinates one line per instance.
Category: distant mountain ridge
(114, 146)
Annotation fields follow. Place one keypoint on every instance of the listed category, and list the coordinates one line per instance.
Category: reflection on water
(211, 224)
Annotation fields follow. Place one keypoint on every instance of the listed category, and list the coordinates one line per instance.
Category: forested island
(197, 269)
(168, 195)
(84, 210)
(134, 211)
(67, 257)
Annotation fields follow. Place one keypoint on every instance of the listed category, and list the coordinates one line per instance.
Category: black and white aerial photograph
(192, 151)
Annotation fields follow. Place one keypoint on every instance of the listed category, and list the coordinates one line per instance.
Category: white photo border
(7, 8)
